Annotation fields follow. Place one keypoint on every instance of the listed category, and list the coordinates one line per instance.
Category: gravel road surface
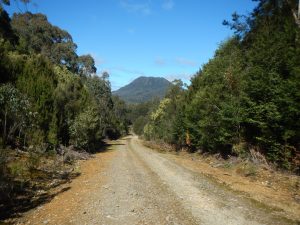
(141, 186)
(144, 187)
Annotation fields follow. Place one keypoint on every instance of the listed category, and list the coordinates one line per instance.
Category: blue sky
(132, 38)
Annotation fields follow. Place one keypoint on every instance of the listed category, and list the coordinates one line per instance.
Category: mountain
(143, 89)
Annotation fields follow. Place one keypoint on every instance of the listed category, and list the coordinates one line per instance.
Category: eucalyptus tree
(37, 35)
(16, 114)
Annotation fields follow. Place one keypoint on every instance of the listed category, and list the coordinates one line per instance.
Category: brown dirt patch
(67, 203)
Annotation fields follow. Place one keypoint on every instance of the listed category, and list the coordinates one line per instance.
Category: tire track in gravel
(134, 194)
(208, 201)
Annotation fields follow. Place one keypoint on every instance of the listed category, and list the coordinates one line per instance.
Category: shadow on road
(24, 197)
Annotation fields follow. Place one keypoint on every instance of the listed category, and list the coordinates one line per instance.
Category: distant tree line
(246, 98)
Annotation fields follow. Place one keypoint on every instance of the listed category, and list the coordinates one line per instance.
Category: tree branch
(296, 14)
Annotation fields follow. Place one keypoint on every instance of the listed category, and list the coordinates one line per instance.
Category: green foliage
(247, 96)
(164, 121)
(157, 126)
(99, 116)
(69, 100)
(7, 74)
(120, 117)
(37, 81)
(49, 97)
(139, 124)
(37, 35)
(17, 169)
(55, 95)
(3, 163)
(142, 109)
(87, 129)
(16, 117)
(86, 65)
(213, 117)
(139, 115)
(271, 83)
(34, 159)
(6, 31)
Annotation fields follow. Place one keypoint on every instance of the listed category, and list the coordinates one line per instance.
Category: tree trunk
(299, 10)
(296, 14)
(4, 129)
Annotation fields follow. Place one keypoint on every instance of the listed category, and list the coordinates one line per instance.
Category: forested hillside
(143, 89)
(50, 97)
(245, 101)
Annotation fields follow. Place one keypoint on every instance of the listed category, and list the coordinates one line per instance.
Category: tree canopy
(246, 97)
(70, 103)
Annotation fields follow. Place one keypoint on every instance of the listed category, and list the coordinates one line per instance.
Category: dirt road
(132, 184)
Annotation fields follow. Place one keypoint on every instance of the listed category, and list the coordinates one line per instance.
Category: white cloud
(182, 76)
(104, 70)
(125, 70)
(168, 4)
(98, 60)
(136, 7)
(185, 62)
(160, 62)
